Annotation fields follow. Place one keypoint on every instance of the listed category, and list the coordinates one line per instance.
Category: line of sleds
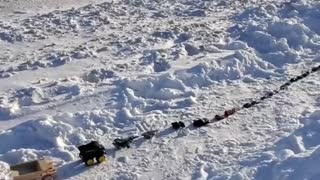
(90, 154)
(95, 152)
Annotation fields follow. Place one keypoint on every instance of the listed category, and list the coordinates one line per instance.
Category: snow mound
(72, 89)
(240, 64)
(236, 45)
(52, 59)
(306, 137)
(278, 34)
(56, 136)
(156, 60)
(4, 171)
(160, 92)
(98, 75)
(28, 65)
(11, 36)
(71, 86)
(44, 93)
(31, 96)
(291, 167)
(58, 58)
(166, 51)
(8, 108)
(163, 87)
(191, 49)
(47, 132)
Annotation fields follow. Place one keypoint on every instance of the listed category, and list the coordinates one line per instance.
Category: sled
(91, 151)
(34, 170)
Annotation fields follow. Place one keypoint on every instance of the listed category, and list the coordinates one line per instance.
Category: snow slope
(72, 72)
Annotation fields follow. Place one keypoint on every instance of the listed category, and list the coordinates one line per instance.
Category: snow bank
(4, 171)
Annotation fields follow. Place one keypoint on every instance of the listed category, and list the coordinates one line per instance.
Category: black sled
(91, 151)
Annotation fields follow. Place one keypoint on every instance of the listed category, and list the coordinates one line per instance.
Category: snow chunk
(70, 86)
(31, 96)
(156, 59)
(284, 154)
(237, 45)
(191, 49)
(8, 109)
(11, 36)
(98, 75)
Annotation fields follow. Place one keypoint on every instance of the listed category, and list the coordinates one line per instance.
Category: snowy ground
(76, 71)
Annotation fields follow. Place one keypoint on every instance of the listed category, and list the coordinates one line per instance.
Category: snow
(290, 154)
(280, 34)
(72, 72)
(8, 109)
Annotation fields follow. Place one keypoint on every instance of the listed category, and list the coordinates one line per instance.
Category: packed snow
(76, 71)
